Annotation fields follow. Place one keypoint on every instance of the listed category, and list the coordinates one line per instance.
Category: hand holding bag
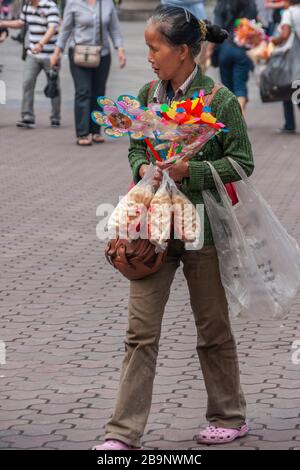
(88, 55)
(131, 254)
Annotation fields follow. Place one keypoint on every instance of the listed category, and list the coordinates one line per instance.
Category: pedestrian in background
(235, 65)
(265, 16)
(81, 23)
(289, 25)
(276, 6)
(42, 20)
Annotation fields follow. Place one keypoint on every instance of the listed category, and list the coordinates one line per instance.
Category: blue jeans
(235, 66)
(289, 115)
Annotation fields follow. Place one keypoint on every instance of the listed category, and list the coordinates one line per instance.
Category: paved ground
(63, 308)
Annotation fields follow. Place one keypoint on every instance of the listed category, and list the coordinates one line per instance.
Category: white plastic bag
(259, 261)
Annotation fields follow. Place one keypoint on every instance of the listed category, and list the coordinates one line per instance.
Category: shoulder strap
(150, 89)
(208, 99)
(100, 22)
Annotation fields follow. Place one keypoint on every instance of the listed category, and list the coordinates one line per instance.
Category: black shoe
(55, 123)
(26, 124)
(284, 130)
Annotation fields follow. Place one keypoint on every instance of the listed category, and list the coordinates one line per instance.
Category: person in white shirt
(290, 23)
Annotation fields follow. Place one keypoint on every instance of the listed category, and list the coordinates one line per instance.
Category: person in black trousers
(82, 21)
(235, 65)
(89, 84)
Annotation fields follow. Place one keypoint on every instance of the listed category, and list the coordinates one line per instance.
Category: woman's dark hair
(179, 26)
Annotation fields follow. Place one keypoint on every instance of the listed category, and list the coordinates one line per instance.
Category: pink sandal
(217, 435)
(113, 444)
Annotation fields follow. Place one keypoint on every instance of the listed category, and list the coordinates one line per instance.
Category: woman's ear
(184, 51)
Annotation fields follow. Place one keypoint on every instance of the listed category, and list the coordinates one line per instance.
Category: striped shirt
(39, 18)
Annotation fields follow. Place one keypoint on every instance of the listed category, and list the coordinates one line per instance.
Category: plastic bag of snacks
(129, 219)
(186, 219)
(160, 215)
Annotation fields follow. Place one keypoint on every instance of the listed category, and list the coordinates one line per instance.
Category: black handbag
(51, 90)
(283, 68)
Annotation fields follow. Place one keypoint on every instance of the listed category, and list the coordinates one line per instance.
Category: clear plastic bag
(129, 219)
(186, 219)
(160, 215)
(259, 261)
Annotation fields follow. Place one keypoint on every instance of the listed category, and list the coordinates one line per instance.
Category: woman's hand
(157, 174)
(121, 57)
(177, 171)
(55, 57)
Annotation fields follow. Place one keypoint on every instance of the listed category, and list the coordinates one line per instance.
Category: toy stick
(170, 151)
(156, 155)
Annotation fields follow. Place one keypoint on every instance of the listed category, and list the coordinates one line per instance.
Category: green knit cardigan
(234, 144)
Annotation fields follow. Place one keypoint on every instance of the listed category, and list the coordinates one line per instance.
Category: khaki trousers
(215, 344)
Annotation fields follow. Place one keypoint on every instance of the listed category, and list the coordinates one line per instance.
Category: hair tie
(203, 30)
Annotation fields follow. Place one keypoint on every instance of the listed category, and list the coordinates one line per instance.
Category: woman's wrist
(142, 170)
(187, 170)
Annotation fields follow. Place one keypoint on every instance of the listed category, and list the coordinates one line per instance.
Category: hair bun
(215, 33)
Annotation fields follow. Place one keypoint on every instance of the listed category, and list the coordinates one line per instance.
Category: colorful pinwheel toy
(179, 130)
